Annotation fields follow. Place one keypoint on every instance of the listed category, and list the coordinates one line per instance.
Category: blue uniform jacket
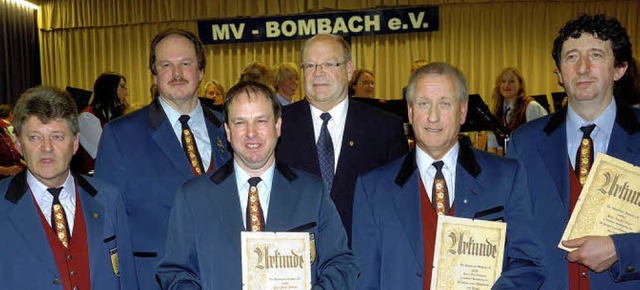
(27, 262)
(541, 146)
(387, 220)
(203, 247)
(141, 155)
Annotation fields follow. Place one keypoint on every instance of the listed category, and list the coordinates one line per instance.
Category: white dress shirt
(335, 126)
(198, 127)
(428, 172)
(44, 199)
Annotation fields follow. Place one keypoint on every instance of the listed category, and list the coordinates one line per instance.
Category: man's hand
(597, 253)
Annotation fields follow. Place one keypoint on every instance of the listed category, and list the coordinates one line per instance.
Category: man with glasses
(333, 136)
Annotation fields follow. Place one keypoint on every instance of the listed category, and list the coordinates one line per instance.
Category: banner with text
(351, 23)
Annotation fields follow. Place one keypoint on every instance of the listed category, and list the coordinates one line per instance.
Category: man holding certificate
(397, 206)
(591, 53)
(253, 192)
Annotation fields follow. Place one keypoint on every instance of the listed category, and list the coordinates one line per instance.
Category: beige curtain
(80, 39)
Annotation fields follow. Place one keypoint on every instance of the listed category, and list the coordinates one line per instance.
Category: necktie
(439, 192)
(255, 218)
(190, 147)
(584, 155)
(325, 153)
(59, 218)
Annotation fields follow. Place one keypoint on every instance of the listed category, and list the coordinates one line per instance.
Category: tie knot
(325, 117)
(55, 191)
(253, 181)
(438, 165)
(184, 119)
(586, 130)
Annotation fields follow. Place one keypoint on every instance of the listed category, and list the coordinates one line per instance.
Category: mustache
(179, 79)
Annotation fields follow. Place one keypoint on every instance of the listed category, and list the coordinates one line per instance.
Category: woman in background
(362, 84)
(511, 105)
(215, 91)
(109, 102)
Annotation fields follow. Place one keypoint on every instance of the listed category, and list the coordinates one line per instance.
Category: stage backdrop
(82, 38)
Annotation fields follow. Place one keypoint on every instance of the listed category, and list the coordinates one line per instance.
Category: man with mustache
(148, 154)
(591, 53)
(358, 137)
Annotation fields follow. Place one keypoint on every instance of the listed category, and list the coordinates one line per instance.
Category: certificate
(468, 253)
(275, 260)
(609, 202)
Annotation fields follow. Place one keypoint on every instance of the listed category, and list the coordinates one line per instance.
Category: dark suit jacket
(387, 221)
(371, 138)
(27, 261)
(140, 154)
(203, 247)
(541, 146)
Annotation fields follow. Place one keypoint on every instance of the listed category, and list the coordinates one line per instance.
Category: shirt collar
(604, 122)
(196, 116)
(39, 190)
(338, 112)
(450, 159)
(242, 177)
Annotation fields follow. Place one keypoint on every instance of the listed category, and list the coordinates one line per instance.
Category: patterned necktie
(584, 155)
(439, 192)
(59, 218)
(255, 218)
(325, 153)
(190, 147)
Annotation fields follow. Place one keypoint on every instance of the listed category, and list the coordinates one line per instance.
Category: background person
(362, 84)
(287, 78)
(109, 102)
(511, 105)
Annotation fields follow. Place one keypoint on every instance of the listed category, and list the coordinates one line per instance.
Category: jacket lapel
(26, 221)
(350, 140)
(553, 153)
(283, 199)
(165, 138)
(218, 143)
(467, 186)
(625, 137)
(407, 201)
(225, 201)
(94, 215)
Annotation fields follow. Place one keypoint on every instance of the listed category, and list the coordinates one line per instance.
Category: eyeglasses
(311, 67)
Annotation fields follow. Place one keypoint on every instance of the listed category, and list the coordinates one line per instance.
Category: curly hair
(600, 27)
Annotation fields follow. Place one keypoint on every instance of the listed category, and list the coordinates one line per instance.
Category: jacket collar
(466, 159)
(157, 115)
(18, 186)
(624, 117)
(227, 169)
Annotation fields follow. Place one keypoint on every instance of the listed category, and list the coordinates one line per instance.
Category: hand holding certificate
(609, 202)
(468, 253)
